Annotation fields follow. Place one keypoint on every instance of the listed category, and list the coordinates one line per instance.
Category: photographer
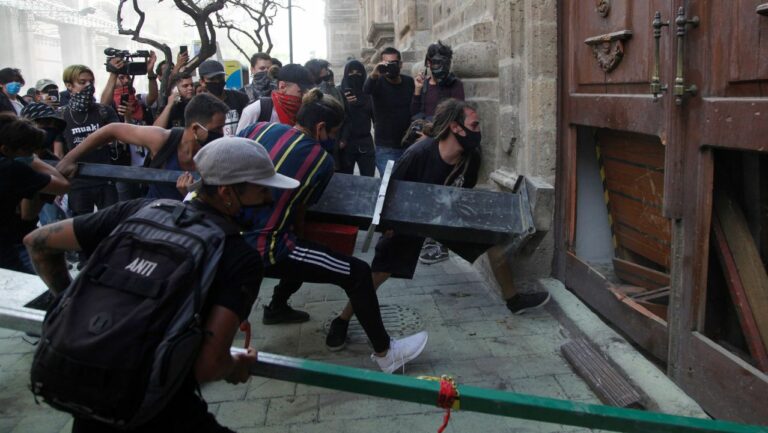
(120, 94)
(356, 143)
(22, 178)
(391, 97)
(118, 77)
(84, 116)
(441, 85)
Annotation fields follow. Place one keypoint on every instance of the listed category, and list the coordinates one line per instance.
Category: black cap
(210, 68)
(295, 73)
(38, 110)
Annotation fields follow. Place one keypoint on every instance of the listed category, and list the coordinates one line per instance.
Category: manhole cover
(399, 321)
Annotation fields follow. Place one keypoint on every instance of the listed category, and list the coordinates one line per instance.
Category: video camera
(131, 67)
(390, 68)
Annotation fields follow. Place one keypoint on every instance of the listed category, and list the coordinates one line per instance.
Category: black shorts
(397, 255)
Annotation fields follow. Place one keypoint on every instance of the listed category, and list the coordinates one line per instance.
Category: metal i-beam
(468, 221)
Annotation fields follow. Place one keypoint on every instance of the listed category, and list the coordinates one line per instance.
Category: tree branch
(205, 27)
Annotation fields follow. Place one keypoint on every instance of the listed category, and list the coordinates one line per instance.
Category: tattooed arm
(46, 247)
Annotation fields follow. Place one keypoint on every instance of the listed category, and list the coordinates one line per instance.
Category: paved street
(472, 336)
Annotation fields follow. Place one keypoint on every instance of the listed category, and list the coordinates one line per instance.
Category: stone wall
(505, 51)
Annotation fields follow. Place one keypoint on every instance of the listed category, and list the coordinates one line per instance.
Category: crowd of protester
(307, 126)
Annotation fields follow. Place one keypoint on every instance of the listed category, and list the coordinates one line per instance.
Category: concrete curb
(663, 395)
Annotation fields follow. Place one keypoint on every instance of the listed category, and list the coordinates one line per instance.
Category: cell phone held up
(53, 95)
(182, 49)
(124, 99)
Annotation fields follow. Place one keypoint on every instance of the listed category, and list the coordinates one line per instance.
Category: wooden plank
(643, 217)
(650, 295)
(640, 275)
(747, 259)
(726, 386)
(642, 183)
(635, 148)
(727, 126)
(622, 112)
(643, 244)
(639, 324)
(739, 296)
(657, 309)
(610, 386)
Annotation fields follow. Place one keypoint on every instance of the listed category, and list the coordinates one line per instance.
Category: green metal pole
(488, 401)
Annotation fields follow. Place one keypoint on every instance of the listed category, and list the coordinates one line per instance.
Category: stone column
(342, 20)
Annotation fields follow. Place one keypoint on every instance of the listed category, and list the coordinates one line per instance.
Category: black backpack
(120, 341)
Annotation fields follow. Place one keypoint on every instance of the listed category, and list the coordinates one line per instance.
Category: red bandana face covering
(287, 106)
(138, 113)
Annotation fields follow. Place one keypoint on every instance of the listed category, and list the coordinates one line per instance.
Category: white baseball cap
(233, 160)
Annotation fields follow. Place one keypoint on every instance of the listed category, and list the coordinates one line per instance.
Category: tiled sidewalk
(472, 336)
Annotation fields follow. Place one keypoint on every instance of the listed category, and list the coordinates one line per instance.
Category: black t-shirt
(81, 125)
(391, 109)
(236, 101)
(238, 277)
(422, 163)
(176, 117)
(17, 181)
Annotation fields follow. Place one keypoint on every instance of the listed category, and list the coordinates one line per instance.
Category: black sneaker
(337, 335)
(285, 314)
(523, 302)
(434, 252)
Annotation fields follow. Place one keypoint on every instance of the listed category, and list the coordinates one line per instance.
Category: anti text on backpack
(122, 339)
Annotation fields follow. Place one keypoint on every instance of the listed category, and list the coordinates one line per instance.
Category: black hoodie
(358, 115)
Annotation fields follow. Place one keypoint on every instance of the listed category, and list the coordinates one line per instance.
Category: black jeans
(358, 151)
(314, 263)
(186, 413)
(82, 200)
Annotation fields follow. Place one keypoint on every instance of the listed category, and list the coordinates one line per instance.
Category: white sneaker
(401, 351)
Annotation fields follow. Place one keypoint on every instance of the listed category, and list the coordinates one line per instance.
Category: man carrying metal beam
(451, 158)
(302, 152)
(170, 149)
(236, 173)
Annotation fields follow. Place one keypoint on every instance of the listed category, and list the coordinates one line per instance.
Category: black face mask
(50, 136)
(215, 87)
(246, 216)
(212, 135)
(469, 142)
(355, 82)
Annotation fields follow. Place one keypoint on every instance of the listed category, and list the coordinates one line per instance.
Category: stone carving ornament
(609, 49)
(603, 7)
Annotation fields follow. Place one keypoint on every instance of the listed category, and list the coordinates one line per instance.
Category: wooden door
(607, 52)
(660, 230)
(726, 57)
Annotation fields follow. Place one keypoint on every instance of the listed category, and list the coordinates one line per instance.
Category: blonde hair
(72, 73)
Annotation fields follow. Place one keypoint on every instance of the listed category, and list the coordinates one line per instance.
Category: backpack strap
(171, 146)
(267, 105)
(186, 213)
